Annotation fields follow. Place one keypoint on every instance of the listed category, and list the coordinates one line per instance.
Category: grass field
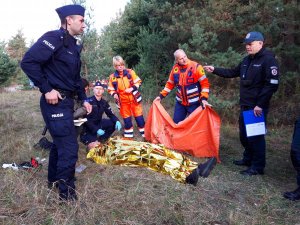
(123, 195)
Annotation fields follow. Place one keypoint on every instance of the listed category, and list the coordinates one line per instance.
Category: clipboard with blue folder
(255, 125)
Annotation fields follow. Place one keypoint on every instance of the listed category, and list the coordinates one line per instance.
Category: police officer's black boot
(66, 193)
(252, 171)
(69, 196)
(293, 195)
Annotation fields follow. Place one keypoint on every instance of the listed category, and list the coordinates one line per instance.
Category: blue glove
(100, 132)
(118, 126)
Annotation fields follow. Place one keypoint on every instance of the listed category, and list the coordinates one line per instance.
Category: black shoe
(202, 170)
(292, 195)
(206, 168)
(241, 163)
(251, 172)
(193, 177)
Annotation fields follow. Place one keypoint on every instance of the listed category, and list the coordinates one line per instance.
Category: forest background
(211, 32)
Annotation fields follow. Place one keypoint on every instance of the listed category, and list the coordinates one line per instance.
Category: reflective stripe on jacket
(118, 83)
(191, 82)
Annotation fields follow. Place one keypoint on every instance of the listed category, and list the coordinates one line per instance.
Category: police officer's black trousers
(64, 153)
(106, 124)
(295, 149)
(254, 147)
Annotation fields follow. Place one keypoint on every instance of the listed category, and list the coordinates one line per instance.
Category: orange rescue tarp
(198, 134)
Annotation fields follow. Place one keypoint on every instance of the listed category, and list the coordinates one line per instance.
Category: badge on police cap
(253, 36)
(98, 83)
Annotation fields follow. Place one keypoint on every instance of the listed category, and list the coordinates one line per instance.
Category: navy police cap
(98, 83)
(69, 10)
(253, 36)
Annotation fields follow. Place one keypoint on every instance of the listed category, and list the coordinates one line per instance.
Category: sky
(36, 17)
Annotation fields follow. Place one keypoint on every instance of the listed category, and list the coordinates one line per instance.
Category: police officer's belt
(66, 94)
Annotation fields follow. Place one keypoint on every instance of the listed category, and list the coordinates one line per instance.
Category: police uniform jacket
(259, 78)
(53, 62)
(94, 119)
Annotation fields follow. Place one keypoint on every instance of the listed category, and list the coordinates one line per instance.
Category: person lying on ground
(152, 156)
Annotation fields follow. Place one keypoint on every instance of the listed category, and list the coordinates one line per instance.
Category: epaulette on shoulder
(53, 33)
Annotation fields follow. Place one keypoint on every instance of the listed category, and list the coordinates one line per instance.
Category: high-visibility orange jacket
(191, 82)
(119, 82)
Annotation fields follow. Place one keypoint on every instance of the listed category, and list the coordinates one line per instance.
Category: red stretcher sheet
(198, 134)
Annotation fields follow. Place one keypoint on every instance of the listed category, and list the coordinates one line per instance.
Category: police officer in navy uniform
(259, 79)
(295, 157)
(97, 128)
(53, 64)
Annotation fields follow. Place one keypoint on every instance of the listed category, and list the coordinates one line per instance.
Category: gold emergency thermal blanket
(198, 134)
(143, 154)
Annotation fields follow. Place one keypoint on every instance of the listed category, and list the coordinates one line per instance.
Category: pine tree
(7, 66)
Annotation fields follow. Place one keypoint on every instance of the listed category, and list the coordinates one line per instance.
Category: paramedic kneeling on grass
(98, 129)
(259, 76)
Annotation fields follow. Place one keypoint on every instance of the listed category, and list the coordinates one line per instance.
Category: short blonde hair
(118, 60)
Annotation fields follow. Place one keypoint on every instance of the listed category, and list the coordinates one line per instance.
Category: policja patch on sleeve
(48, 44)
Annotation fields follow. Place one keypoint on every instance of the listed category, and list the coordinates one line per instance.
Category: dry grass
(122, 195)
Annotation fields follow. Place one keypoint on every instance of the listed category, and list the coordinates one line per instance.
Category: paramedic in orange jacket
(191, 83)
(123, 86)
